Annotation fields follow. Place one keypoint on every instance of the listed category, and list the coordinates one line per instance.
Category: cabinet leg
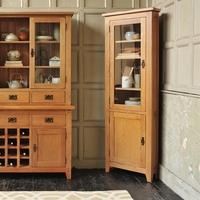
(107, 168)
(149, 177)
(68, 175)
(156, 175)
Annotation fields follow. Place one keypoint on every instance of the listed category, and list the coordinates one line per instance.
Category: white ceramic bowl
(11, 37)
(131, 35)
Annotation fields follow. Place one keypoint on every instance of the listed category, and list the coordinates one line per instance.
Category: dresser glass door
(128, 82)
(47, 52)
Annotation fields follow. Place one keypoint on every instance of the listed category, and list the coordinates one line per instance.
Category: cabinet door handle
(12, 97)
(48, 120)
(32, 52)
(142, 141)
(34, 148)
(143, 63)
(48, 97)
(12, 120)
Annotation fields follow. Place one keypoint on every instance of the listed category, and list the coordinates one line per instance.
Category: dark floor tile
(90, 180)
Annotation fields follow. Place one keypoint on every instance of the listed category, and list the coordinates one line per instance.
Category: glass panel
(127, 71)
(14, 78)
(14, 48)
(47, 59)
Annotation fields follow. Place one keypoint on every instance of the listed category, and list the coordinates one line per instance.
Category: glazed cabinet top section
(33, 51)
(129, 58)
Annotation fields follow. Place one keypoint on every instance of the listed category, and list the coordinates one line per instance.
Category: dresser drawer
(14, 119)
(14, 97)
(48, 119)
(50, 97)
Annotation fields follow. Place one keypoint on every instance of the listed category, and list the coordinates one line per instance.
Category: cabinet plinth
(132, 90)
(35, 91)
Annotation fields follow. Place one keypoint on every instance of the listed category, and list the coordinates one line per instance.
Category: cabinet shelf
(24, 137)
(127, 41)
(48, 42)
(129, 89)
(12, 157)
(12, 137)
(24, 157)
(14, 42)
(127, 56)
(46, 67)
(12, 147)
(24, 147)
(14, 67)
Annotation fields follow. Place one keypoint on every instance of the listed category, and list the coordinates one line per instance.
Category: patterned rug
(67, 195)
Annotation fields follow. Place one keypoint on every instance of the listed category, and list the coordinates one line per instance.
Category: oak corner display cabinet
(131, 90)
(35, 91)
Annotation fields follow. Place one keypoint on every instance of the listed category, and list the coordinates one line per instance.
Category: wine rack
(14, 147)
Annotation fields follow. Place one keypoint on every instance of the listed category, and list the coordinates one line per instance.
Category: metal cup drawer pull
(48, 120)
(12, 119)
(48, 97)
(13, 97)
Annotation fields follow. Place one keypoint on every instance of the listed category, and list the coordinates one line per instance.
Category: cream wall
(87, 71)
(180, 96)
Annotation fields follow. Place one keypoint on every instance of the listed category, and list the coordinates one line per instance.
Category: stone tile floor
(90, 180)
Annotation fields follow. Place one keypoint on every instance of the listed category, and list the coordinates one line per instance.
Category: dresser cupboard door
(127, 139)
(48, 147)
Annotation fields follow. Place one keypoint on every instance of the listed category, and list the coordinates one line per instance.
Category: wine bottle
(12, 162)
(2, 153)
(2, 162)
(12, 142)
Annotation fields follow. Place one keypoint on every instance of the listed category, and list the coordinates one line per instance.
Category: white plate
(134, 98)
(131, 103)
(44, 37)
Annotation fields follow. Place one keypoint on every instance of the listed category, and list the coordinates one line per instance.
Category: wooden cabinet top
(131, 11)
(48, 11)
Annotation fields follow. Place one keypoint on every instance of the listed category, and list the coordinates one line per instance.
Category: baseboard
(177, 185)
(88, 164)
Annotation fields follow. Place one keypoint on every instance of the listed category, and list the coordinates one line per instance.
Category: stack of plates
(133, 101)
(44, 37)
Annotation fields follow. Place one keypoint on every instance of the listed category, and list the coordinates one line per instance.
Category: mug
(55, 80)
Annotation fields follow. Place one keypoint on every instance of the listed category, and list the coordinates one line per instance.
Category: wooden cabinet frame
(46, 108)
(146, 114)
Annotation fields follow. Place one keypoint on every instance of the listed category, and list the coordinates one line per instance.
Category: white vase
(137, 80)
(56, 32)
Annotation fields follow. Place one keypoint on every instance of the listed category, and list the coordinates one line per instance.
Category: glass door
(47, 52)
(128, 64)
(14, 56)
